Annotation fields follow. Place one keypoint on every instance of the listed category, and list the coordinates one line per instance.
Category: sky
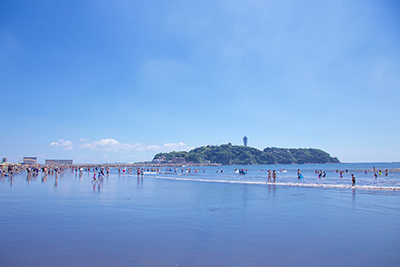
(119, 81)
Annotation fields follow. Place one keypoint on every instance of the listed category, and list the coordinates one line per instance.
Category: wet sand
(126, 221)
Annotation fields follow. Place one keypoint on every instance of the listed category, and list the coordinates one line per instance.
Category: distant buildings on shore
(29, 161)
(33, 161)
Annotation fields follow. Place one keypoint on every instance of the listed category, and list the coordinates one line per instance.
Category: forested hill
(229, 154)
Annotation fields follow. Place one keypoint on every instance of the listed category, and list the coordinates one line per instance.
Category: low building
(29, 160)
(160, 160)
(59, 162)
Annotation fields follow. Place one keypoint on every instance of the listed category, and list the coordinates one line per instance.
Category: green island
(228, 154)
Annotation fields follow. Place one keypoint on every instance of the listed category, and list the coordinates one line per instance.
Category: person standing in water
(274, 175)
(298, 174)
(269, 175)
(353, 179)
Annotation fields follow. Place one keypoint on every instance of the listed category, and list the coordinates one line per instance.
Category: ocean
(287, 175)
(204, 218)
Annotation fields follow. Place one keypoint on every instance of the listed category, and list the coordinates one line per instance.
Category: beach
(159, 220)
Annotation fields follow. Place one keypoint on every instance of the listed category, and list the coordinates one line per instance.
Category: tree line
(228, 154)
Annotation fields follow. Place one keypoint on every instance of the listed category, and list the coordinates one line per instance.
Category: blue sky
(119, 81)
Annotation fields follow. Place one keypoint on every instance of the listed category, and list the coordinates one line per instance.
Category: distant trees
(228, 154)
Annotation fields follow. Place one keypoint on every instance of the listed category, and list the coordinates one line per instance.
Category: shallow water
(287, 175)
(157, 221)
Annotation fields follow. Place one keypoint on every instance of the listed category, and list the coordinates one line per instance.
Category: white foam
(364, 187)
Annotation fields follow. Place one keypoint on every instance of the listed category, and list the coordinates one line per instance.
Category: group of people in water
(376, 172)
(101, 171)
(271, 177)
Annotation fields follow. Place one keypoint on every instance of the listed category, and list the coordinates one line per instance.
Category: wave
(363, 187)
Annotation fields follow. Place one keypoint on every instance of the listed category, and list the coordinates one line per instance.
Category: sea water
(202, 219)
(287, 175)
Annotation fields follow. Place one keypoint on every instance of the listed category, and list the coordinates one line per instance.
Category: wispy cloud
(113, 145)
(176, 147)
(68, 145)
(107, 145)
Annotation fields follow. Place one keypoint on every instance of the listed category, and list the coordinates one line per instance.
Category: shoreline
(311, 185)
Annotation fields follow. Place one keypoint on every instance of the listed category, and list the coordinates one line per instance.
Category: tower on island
(245, 141)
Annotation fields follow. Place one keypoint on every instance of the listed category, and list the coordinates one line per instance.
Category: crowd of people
(99, 172)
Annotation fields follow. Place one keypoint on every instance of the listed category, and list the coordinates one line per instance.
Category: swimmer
(274, 175)
(353, 179)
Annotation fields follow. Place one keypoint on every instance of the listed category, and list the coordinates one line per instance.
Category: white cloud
(105, 144)
(54, 144)
(113, 145)
(140, 147)
(84, 139)
(176, 147)
(68, 145)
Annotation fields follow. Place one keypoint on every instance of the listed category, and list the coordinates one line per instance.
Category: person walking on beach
(274, 175)
(353, 179)
(94, 178)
